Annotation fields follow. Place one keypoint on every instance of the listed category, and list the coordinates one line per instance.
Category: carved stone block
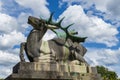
(52, 71)
(39, 71)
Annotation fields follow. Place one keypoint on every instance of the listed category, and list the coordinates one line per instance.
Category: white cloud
(10, 31)
(69, 2)
(105, 57)
(22, 20)
(38, 6)
(93, 27)
(11, 39)
(5, 71)
(102, 32)
(6, 57)
(114, 8)
(100, 5)
(7, 23)
(7, 61)
(110, 7)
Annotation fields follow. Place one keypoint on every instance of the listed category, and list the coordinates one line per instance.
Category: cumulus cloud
(38, 6)
(110, 8)
(102, 32)
(7, 23)
(9, 55)
(100, 5)
(105, 57)
(114, 7)
(5, 70)
(93, 27)
(7, 61)
(69, 2)
(9, 40)
(22, 20)
(10, 35)
(6, 57)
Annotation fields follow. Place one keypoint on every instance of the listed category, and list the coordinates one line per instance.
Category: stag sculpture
(61, 49)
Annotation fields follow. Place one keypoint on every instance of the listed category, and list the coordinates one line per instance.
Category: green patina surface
(68, 34)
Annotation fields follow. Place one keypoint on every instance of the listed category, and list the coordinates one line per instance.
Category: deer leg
(22, 48)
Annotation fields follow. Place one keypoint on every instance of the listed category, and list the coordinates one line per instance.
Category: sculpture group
(59, 49)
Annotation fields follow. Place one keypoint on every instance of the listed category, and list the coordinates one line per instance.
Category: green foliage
(106, 74)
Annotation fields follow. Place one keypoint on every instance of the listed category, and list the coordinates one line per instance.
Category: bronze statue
(61, 49)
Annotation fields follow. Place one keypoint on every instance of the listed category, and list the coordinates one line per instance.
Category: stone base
(52, 71)
(39, 76)
(38, 71)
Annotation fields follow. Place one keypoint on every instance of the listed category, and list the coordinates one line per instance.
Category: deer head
(38, 24)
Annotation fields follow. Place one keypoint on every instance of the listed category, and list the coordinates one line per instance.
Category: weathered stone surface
(52, 71)
(38, 71)
(55, 59)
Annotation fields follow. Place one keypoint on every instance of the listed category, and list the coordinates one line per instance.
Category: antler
(69, 34)
(73, 37)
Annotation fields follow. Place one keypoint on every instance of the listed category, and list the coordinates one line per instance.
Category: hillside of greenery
(107, 74)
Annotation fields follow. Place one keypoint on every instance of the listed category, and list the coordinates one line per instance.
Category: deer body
(60, 48)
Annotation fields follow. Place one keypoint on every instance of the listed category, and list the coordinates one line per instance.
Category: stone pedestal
(52, 71)
(38, 71)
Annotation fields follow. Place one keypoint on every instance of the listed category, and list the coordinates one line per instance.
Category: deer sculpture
(61, 49)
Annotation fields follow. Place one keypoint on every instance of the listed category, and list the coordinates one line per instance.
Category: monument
(60, 58)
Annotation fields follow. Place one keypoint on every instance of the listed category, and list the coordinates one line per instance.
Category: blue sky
(96, 19)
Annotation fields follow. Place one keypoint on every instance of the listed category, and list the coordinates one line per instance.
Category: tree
(106, 74)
